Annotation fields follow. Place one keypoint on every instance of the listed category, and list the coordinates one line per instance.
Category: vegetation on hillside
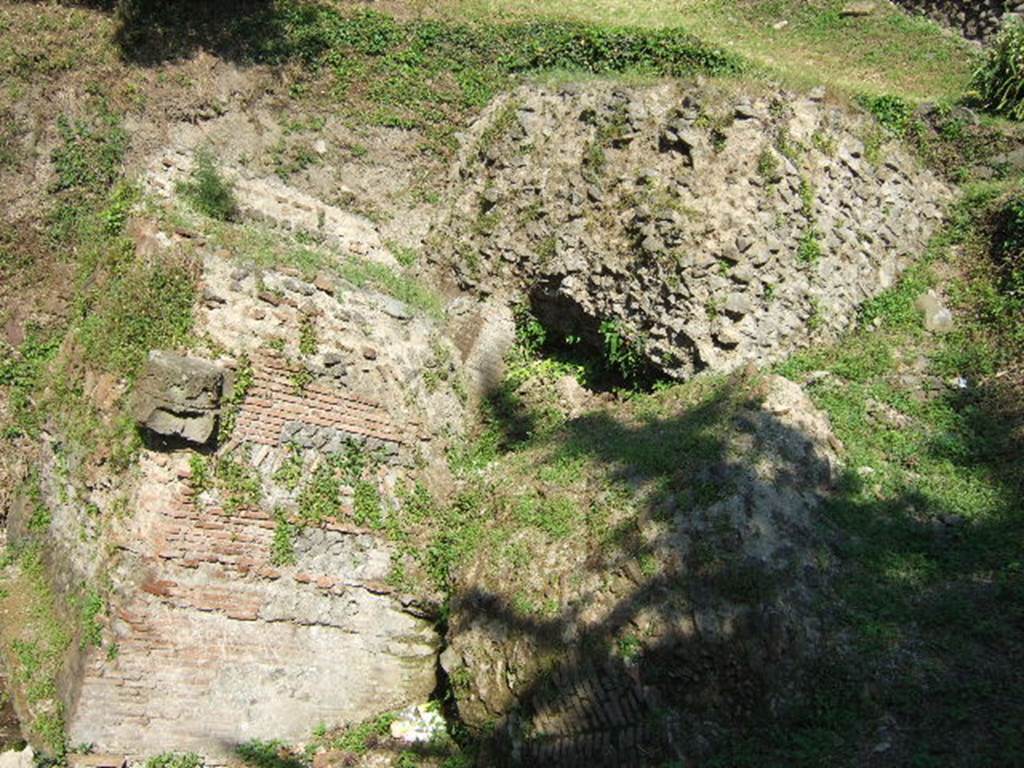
(999, 81)
(417, 73)
(928, 514)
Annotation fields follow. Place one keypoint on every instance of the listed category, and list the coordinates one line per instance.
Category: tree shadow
(772, 660)
(152, 32)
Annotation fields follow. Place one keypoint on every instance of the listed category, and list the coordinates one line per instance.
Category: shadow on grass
(904, 650)
(244, 31)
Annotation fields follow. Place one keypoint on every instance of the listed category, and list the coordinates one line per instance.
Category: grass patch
(144, 306)
(809, 249)
(36, 646)
(208, 191)
(175, 760)
(892, 112)
(263, 248)
(419, 73)
(368, 274)
(22, 373)
(886, 52)
(360, 738)
(929, 513)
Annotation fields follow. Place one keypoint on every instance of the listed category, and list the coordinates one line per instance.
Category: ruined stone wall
(708, 229)
(701, 653)
(206, 642)
(974, 19)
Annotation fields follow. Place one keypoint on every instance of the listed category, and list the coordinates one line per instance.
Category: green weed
(239, 485)
(307, 336)
(807, 196)
(230, 405)
(621, 353)
(175, 760)
(359, 738)
(282, 548)
(893, 113)
(809, 248)
(768, 167)
(208, 191)
(290, 473)
(199, 473)
(268, 754)
(998, 84)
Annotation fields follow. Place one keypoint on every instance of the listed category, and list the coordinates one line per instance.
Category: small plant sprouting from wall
(301, 379)
(200, 478)
(809, 250)
(816, 320)
(289, 474)
(807, 194)
(282, 548)
(307, 336)
(208, 191)
(824, 142)
(239, 484)
(595, 161)
(320, 498)
(93, 607)
(768, 167)
(439, 368)
(530, 333)
(231, 405)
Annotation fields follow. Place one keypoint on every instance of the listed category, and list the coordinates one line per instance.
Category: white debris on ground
(12, 758)
(418, 724)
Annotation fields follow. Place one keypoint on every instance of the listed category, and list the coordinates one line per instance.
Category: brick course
(215, 645)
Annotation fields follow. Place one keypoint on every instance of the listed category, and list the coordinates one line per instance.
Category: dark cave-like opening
(557, 326)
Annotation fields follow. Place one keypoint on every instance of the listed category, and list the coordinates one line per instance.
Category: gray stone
(728, 337)
(15, 759)
(211, 298)
(937, 317)
(742, 273)
(744, 110)
(491, 196)
(865, 8)
(298, 286)
(738, 304)
(178, 396)
(395, 308)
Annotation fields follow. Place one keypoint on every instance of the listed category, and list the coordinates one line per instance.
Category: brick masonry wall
(215, 645)
(592, 717)
(274, 413)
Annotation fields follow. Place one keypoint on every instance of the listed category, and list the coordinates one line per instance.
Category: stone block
(178, 396)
